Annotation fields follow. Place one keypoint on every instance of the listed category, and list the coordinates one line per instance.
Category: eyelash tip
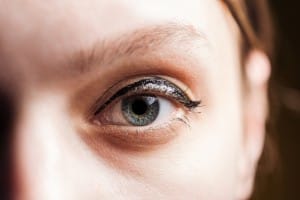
(192, 104)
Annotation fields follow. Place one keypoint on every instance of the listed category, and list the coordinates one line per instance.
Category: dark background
(285, 183)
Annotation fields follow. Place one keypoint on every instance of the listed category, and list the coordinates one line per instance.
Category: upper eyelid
(177, 94)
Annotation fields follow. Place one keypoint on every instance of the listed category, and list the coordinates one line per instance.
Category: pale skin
(60, 153)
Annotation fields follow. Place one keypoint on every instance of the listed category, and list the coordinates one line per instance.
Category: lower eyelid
(142, 137)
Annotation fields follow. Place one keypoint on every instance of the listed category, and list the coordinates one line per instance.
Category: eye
(139, 110)
(141, 107)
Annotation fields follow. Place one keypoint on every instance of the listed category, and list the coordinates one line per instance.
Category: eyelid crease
(153, 84)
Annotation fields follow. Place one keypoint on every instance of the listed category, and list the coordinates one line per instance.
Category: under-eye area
(143, 110)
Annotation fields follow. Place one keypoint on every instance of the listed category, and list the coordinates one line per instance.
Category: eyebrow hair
(138, 42)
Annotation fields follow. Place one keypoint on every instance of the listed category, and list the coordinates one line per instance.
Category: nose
(40, 150)
(52, 160)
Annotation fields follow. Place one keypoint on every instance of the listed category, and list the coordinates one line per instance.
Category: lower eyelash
(185, 120)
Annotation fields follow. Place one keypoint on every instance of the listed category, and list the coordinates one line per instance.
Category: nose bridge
(38, 149)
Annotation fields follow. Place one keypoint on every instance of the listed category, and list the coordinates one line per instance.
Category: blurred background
(285, 183)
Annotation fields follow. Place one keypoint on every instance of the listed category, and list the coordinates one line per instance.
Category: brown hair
(254, 20)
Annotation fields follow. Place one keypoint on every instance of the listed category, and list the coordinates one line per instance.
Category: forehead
(37, 35)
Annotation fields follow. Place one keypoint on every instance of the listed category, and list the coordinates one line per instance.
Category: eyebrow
(139, 42)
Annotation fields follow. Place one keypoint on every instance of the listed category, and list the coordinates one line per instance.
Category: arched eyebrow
(136, 43)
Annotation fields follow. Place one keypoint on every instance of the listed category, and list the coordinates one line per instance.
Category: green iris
(140, 110)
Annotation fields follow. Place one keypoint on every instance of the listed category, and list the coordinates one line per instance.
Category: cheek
(201, 164)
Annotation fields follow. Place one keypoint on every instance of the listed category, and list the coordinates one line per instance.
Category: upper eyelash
(153, 84)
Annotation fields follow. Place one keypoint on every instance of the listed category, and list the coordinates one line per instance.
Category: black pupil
(139, 106)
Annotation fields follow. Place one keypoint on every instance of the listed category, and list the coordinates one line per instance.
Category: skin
(58, 153)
